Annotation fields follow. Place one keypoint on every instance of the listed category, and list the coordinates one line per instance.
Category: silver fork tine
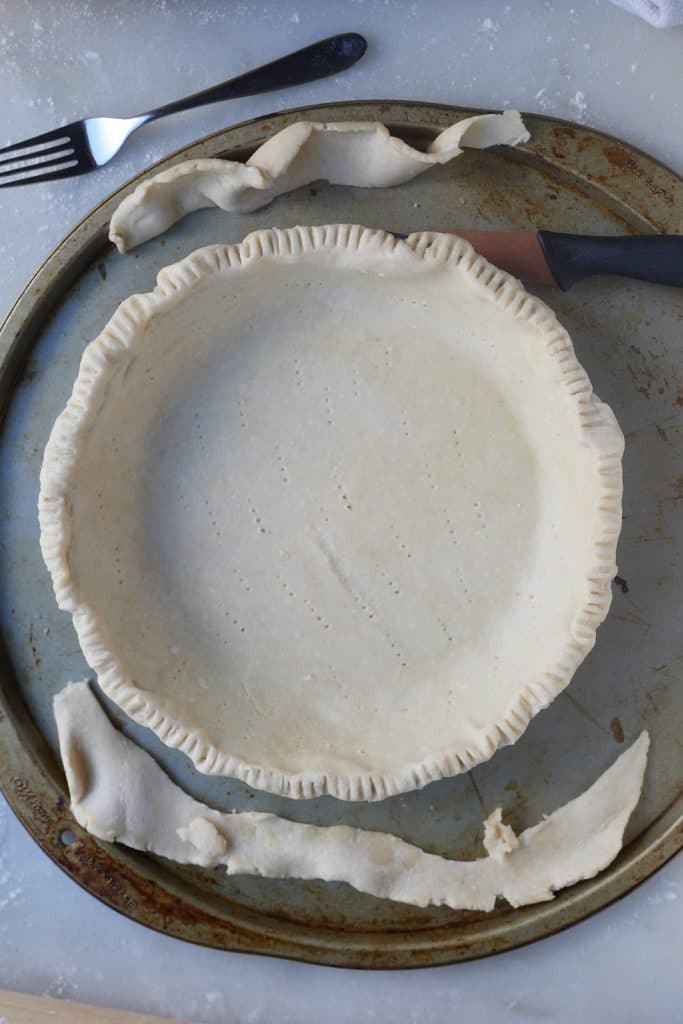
(70, 171)
(38, 154)
(57, 133)
(68, 156)
(47, 165)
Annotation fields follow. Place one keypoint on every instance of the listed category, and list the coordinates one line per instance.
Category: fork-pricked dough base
(333, 513)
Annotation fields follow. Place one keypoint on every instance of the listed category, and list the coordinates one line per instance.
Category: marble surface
(591, 63)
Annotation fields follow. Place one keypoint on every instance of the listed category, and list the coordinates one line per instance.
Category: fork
(88, 144)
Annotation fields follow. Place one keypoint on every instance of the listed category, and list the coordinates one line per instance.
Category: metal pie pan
(627, 335)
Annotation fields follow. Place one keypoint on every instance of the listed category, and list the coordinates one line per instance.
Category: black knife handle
(655, 258)
(326, 57)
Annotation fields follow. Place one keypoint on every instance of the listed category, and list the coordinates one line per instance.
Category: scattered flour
(666, 894)
(11, 887)
(490, 28)
(543, 100)
(63, 986)
(578, 105)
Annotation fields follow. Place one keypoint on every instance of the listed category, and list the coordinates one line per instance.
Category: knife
(553, 258)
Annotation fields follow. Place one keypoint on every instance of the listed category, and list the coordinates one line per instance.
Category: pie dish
(332, 512)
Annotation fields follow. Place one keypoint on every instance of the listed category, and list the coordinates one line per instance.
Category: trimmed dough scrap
(120, 794)
(360, 153)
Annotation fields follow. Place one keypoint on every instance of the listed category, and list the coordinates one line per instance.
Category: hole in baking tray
(67, 838)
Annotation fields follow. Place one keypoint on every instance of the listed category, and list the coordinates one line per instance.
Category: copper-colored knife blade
(518, 252)
(556, 258)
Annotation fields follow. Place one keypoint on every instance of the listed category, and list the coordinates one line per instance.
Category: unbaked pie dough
(333, 513)
(360, 153)
(120, 794)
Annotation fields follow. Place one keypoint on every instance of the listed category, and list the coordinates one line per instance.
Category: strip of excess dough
(120, 794)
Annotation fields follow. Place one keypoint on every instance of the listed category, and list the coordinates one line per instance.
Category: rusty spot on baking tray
(641, 372)
(565, 130)
(617, 730)
(538, 211)
(29, 374)
(616, 155)
(34, 651)
(520, 801)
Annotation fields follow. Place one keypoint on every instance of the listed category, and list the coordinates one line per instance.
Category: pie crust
(332, 512)
(120, 794)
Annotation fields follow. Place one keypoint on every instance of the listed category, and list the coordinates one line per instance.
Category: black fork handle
(655, 258)
(326, 57)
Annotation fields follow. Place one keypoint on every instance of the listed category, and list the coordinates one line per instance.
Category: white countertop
(590, 62)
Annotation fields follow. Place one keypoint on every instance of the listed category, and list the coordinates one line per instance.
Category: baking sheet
(629, 336)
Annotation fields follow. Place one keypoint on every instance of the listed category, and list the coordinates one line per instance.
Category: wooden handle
(17, 1008)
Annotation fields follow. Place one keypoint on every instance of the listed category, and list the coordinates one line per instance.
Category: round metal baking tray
(629, 338)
